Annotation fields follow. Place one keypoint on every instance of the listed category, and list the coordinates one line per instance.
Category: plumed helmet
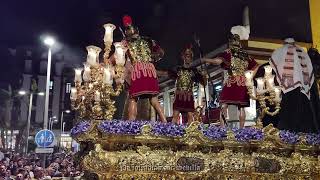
(129, 28)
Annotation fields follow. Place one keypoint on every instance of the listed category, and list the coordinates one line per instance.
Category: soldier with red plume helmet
(143, 82)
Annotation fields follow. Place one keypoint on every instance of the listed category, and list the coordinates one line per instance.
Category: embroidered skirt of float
(183, 101)
(143, 80)
(234, 92)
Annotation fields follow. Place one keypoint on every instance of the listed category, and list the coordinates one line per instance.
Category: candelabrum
(97, 82)
(266, 93)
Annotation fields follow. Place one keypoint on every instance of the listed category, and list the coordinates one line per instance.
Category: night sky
(78, 23)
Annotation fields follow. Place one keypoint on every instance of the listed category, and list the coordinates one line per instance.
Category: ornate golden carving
(146, 156)
(193, 136)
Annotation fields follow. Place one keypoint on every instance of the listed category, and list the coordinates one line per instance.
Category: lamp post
(62, 125)
(29, 112)
(52, 120)
(49, 41)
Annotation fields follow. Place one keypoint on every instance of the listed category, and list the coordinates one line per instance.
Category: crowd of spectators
(15, 166)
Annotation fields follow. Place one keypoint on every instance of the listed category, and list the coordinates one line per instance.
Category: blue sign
(44, 138)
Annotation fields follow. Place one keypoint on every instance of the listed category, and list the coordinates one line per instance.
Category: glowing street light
(49, 41)
(41, 93)
(21, 92)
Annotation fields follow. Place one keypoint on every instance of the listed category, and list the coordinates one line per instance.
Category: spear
(197, 41)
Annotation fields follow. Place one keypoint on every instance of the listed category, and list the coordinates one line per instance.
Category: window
(161, 100)
(51, 85)
(218, 88)
(68, 88)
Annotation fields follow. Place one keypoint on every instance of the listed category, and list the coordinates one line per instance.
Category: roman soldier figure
(235, 60)
(142, 75)
(185, 76)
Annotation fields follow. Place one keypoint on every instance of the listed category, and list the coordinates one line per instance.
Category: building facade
(30, 68)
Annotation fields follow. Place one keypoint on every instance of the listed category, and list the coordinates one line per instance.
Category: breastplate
(184, 80)
(238, 66)
(139, 50)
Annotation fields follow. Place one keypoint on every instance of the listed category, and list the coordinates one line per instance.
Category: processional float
(118, 149)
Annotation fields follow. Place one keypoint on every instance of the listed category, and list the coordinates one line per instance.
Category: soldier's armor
(239, 62)
(139, 50)
(184, 81)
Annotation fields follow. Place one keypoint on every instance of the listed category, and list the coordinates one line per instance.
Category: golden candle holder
(94, 85)
(266, 93)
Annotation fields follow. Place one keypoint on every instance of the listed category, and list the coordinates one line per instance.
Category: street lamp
(41, 93)
(22, 93)
(62, 124)
(52, 120)
(49, 42)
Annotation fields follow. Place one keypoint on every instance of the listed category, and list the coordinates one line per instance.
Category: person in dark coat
(300, 100)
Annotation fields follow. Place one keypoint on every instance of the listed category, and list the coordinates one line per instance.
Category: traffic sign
(44, 150)
(44, 138)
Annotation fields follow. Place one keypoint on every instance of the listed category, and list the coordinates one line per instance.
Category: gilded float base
(193, 156)
(145, 163)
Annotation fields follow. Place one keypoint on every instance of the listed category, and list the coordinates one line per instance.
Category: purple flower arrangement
(213, 132)
(288, 137)
(135, 128)
(313, 139)
(247, 134)
(173, 130)
(122, 127)
(168, 129)
(80, 128)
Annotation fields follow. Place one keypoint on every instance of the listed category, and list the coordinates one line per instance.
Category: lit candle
(249, 76)
(120, 51)
(107, 78)
(267, 71)
(73, 94)
(77, 75)
(97, 96)
(93, 55)
(277, 91)
(260, 86)
(270, 82)
(108, 35)
(86, 73)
